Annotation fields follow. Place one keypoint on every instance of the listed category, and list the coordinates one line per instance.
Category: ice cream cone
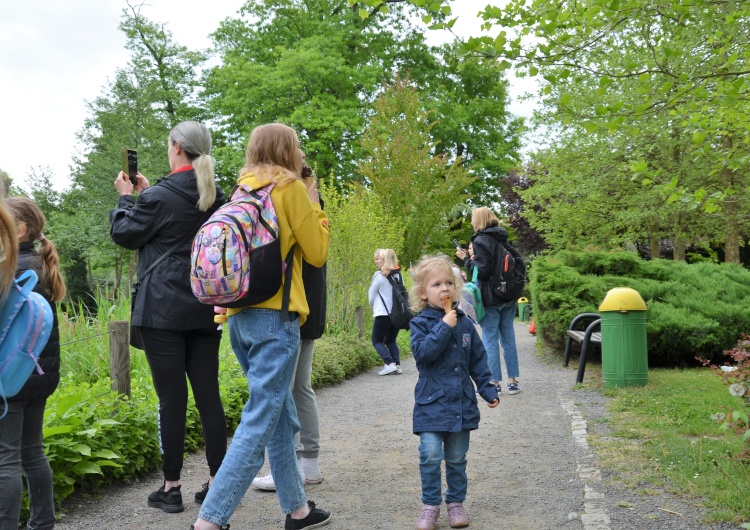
(447, 302)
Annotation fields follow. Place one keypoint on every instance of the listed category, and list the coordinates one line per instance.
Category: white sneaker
(267, 484)
(388, 369)
(264, 483)
(398, 369)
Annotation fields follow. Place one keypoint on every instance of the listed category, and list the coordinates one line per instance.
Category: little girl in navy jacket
(451, 360)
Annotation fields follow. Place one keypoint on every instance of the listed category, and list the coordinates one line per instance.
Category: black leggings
(171, 355)
(384, 339)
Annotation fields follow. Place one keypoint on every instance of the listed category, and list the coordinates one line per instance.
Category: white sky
(54, 57)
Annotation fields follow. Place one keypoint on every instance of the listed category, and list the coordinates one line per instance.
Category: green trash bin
(624, 345)
(522, 303)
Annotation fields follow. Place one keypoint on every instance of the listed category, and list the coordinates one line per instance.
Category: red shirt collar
(180, 169)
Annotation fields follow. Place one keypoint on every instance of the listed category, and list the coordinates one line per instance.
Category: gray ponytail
(195, 140)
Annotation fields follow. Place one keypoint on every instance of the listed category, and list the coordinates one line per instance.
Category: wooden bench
(589, 335)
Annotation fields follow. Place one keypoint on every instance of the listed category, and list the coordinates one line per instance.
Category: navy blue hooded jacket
(448, 359)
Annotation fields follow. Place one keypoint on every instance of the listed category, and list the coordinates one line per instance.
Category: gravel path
(530, 466)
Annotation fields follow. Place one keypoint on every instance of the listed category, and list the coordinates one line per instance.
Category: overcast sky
(55, 57)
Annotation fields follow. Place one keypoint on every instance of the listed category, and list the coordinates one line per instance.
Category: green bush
(693, 310)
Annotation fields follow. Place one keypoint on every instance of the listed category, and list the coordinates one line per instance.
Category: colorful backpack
(26, 320)
(235, 259)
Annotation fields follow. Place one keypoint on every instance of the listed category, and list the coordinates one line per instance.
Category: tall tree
(315, 65)
(147, 97)
(415, 184)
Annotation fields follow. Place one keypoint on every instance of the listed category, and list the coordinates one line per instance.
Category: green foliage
(694, 310)
(340, 357)
(358, 226)
(314, 65)
(415, 186)
(648, 114)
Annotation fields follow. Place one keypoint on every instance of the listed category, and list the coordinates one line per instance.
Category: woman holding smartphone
(176, 331)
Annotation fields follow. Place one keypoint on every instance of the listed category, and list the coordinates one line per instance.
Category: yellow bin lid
(622, 299)
(522, 300)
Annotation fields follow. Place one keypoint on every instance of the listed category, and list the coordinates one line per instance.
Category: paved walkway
(530, 465)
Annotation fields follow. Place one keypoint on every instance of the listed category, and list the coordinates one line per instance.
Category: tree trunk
(679, 248)
(732, 240)
(653, 241)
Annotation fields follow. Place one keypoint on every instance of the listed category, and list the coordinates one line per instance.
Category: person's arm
(483, 257)
(309, 224)
(133, 225)
(429, 344)
(372, 293)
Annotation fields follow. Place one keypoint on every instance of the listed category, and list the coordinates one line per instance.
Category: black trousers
(173, 355)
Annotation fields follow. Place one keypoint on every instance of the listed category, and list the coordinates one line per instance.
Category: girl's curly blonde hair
(426, 266)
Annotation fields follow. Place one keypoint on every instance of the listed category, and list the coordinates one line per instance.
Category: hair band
(41, 237)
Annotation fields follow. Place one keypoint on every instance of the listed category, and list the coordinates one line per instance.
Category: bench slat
(596, 337)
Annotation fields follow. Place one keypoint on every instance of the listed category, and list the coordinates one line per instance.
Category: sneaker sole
(264, 487)
(307, 482)
(513, 392)
(169, 508)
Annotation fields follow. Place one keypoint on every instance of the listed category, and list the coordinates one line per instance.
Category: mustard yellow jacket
(300, 222)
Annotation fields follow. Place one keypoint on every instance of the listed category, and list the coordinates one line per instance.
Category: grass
(662, 436)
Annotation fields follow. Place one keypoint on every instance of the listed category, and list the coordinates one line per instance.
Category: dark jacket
(40, 386)
(154, 224)
(486, 257)
(314, 279)
(448, 359)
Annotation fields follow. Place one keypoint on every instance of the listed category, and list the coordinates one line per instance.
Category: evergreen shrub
(694, 310)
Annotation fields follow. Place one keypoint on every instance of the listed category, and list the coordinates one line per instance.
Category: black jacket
(485, 256)
(40, 386)
(314, 279)
(154, 224)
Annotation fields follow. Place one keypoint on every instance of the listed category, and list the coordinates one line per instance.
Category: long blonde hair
(390, 261)
(195, 140)
(273, 153)
(425, 266)
(8, 246)
(25, 211)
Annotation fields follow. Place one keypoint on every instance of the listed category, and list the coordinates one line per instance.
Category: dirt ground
(530, 466)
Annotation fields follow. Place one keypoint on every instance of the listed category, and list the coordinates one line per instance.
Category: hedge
(694, 310)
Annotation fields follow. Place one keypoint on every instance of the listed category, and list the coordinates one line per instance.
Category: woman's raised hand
(125, 187)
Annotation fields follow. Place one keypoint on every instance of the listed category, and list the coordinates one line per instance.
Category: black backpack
(508, 276)
(400, 314)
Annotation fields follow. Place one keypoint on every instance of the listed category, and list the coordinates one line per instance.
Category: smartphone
(455, 242)
(130, 164)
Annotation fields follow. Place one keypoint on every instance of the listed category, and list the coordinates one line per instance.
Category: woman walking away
(265, 339)
(176, 330)
(500, 314)
(21, 437)
(449, 356)
(380, 294)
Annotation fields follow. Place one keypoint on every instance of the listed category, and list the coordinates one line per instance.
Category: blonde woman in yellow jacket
(266, 344)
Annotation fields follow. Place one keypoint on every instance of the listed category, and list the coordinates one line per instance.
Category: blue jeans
(434, 447)
(266, 348)
(21, 446)
(498, 326)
